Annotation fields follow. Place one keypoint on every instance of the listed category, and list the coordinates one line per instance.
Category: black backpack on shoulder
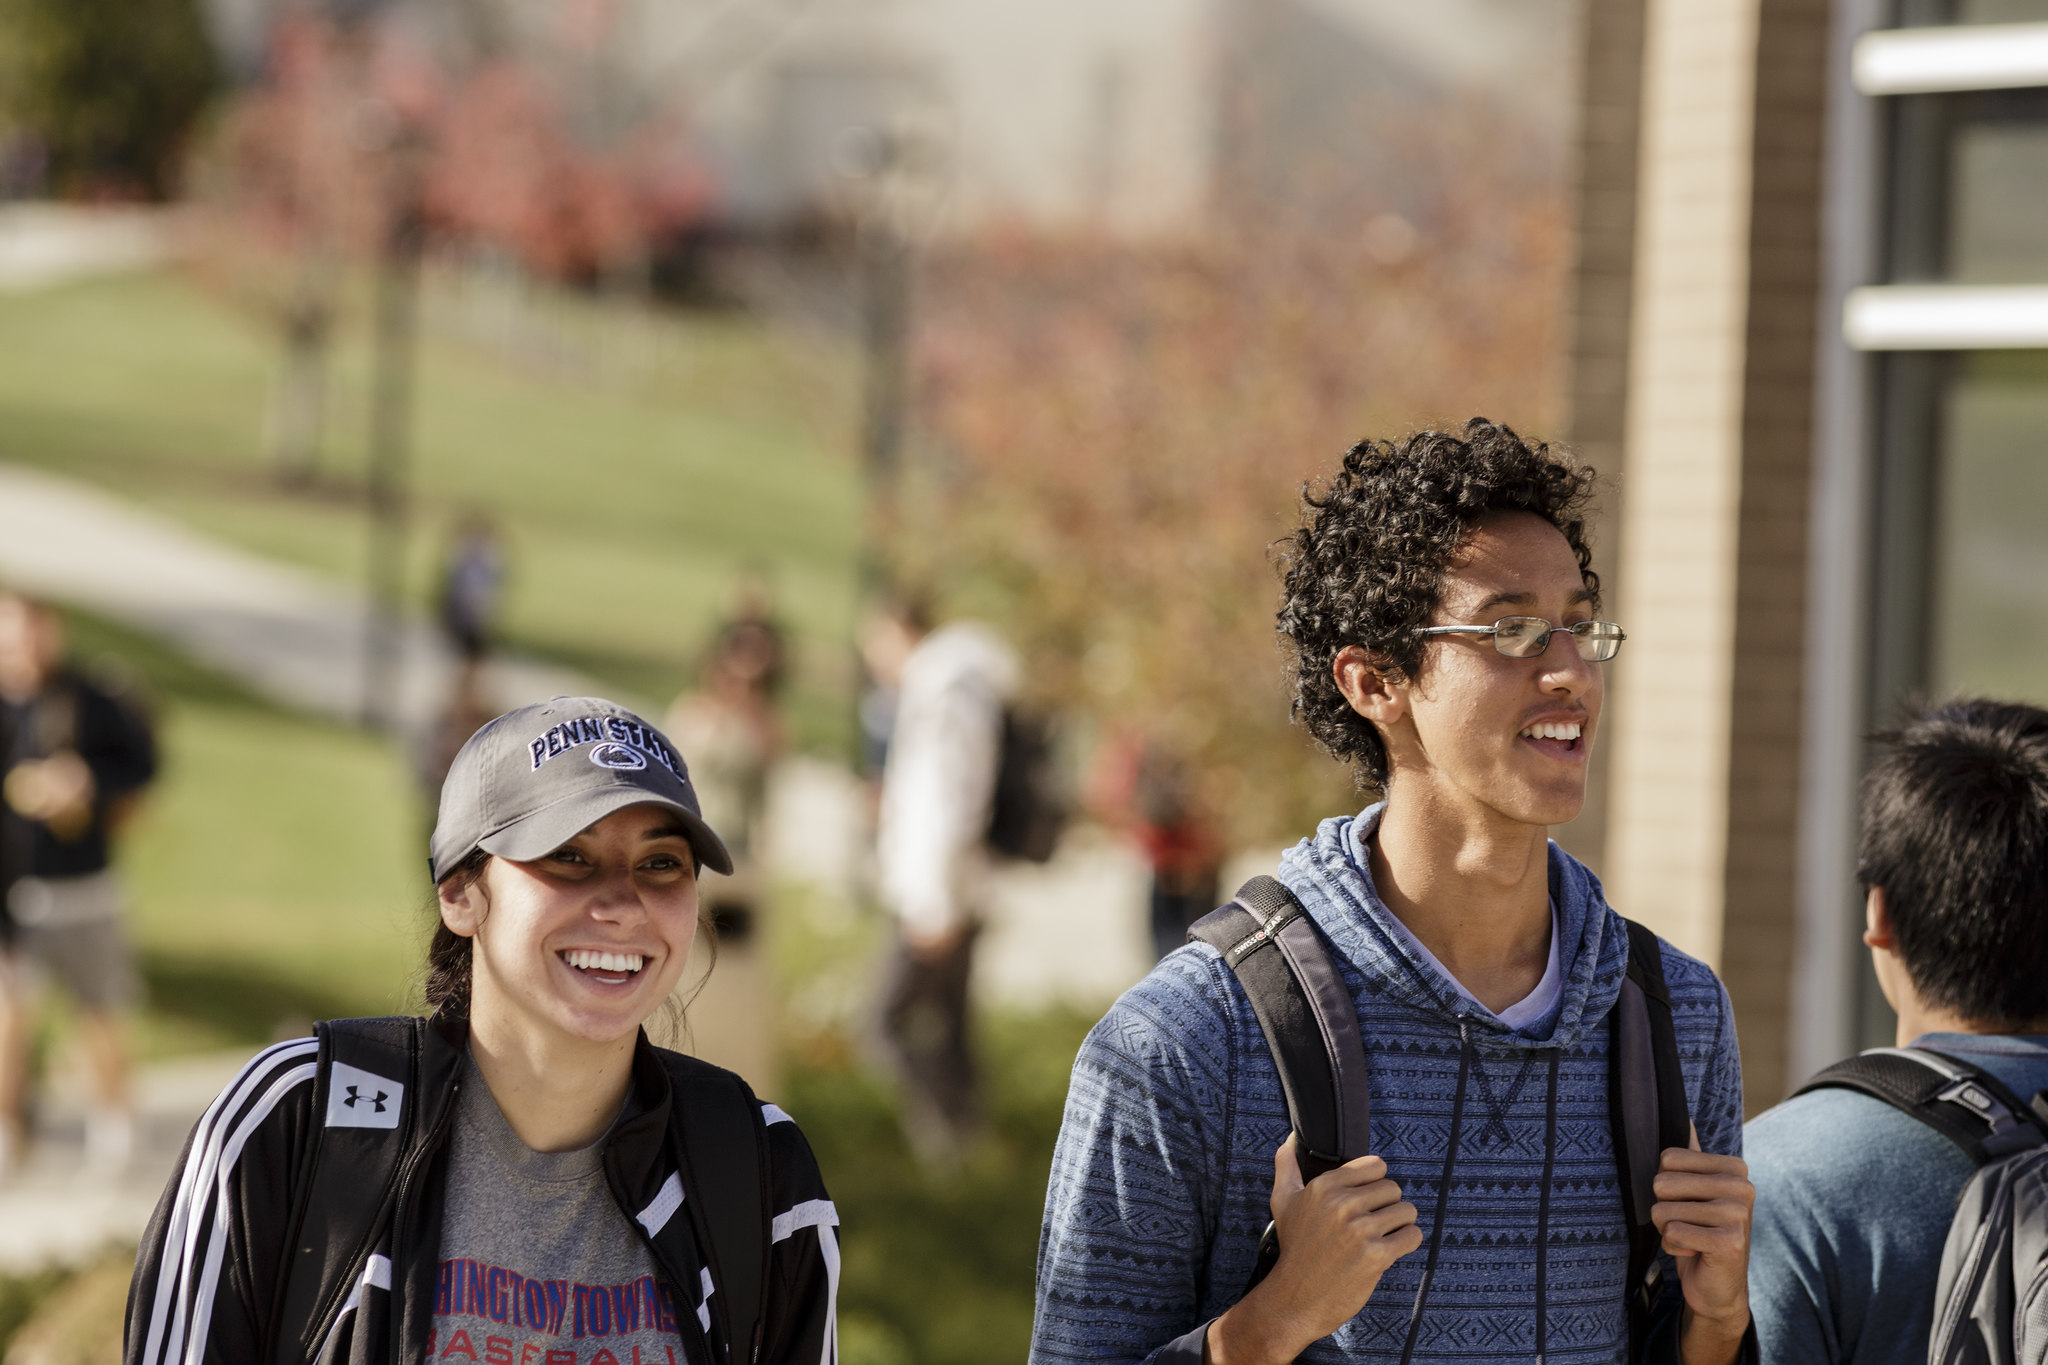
(353, 1176)
(1991, 1300)
(1028, 808)
(1270, 943)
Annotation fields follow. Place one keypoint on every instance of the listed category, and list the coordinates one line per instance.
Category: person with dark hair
(471, 583)
(76, 755)
(1854, 1195)
(1442, 612)
(521, 1176)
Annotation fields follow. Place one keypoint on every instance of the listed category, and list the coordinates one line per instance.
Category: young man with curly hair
(1441, 609)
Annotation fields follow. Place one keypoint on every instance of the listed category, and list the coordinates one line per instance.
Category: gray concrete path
(290, 634)
(59, 1210)
(44, 244)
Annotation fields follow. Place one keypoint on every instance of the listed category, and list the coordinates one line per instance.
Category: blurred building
(1061, 115)
(1069, 115)
(1812, 334)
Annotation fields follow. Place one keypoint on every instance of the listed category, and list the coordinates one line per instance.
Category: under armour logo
(362, 1099)
(354, 1095)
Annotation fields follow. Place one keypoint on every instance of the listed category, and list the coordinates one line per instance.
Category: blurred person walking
(889, 633)
(751, 635)
(730, 727)
(471, 584)
(75, 754)
(1145, 790)
(522, 1175)
(938, 796)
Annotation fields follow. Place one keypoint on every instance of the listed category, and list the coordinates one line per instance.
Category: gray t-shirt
(538, 1264)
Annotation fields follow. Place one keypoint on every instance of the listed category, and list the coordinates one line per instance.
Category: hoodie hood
(1332, 876)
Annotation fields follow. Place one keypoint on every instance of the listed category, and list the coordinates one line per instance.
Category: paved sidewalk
(57, 1211)
(290, 634)
(44, 244)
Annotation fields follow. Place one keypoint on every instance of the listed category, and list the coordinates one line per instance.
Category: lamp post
(396, 329)
(897, 176)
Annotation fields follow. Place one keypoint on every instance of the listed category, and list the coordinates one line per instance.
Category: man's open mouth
(1562, 734)
(612, 966)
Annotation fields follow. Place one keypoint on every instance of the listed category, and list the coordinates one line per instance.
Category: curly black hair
(1366, 568)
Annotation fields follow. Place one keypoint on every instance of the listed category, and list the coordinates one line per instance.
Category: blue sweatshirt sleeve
(1705, 1023)
(1704, 1020)
(1136, 1185)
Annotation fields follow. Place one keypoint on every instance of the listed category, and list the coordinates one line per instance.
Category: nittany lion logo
(618, 756)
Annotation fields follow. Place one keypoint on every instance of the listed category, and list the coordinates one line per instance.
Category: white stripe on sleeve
(771, 1114)
(812, 1213)
(223, 1214)
(181, 1230)
(828, 1248)
(666, 1201)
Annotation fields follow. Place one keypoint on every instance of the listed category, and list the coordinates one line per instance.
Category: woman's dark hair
(1367, 566)
(449, 954)
(1955, 829)
(451, 957)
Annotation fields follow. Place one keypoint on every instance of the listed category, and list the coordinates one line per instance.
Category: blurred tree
(1116, 435)
(111, 89)
(304, 179)
(522, 155)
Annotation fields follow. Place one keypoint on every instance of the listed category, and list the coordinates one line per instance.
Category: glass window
(1998, 225)
(1959, 558)
(1969, 188)
(1988, 630)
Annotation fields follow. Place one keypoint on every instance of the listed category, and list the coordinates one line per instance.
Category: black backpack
(1270, 943)
(722, 1150)
(1028, 809)
(1991, 1300)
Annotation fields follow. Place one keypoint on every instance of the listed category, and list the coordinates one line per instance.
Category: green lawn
(630, 505)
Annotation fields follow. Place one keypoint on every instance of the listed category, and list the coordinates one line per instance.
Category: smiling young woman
(522, 1176)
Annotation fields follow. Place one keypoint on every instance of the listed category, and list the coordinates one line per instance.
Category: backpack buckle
(2008, 1134)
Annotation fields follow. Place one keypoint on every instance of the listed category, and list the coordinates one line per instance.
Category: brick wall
(1611, 62)
(1761, 886)
(1704, 790)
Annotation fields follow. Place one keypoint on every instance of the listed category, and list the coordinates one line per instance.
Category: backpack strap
(1965, 1104)
(1306, 1012)
(723, 1141)
(1647, 1108)
(366, 1102)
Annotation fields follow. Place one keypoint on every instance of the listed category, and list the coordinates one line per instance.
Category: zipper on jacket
(329, 1310)
(398, 1222)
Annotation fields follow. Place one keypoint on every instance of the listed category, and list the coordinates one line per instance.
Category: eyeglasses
(1526, 637)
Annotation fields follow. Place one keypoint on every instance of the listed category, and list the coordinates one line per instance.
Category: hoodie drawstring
(1443, 1188)
(1543, 1214)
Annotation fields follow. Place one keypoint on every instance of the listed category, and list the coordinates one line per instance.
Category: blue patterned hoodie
(1164, 1166)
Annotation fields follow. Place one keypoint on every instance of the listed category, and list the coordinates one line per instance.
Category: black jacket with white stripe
(216, 1281)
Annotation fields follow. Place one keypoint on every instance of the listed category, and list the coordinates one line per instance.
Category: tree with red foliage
(1116, 436)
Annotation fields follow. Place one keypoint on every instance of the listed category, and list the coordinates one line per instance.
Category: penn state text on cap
(535, 778)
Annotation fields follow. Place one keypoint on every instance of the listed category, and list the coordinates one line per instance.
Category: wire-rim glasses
(1526, 637)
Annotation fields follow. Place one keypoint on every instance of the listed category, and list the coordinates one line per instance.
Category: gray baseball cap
(535, 778)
